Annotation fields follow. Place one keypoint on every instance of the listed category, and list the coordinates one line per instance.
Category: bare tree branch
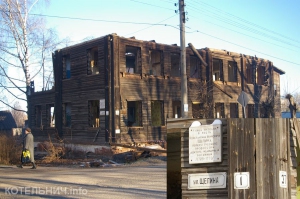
(12, 93)
(11, 80)
(11, 106)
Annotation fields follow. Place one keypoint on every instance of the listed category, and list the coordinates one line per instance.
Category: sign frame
(207, 180)
(205, 144)
(241, 180)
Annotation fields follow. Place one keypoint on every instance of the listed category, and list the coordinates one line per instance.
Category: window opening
(66, 67)
(250, 74)
(218, 70)
(50, 115)
(219, 110)
(234, 111)
(155, 63)
(133, 59)
(176, 109)
(92, 57)
(175, 66)
(232, 71)
(134, 113)
(250, 110)
(157, 113)
(93, 118)
(198, 110)
(261, 74)
(194, 67)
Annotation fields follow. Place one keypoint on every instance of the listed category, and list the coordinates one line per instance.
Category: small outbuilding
(8, 124)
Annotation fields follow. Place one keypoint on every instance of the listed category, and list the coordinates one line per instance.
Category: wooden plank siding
(259, 146)
(117, 86)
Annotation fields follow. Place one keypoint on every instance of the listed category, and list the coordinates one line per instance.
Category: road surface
(121, 182)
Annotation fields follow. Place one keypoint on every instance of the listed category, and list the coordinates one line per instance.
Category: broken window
(198, 110)
(66, 67)
(133, 59)
(157, 113)
(176, 109)
(195, 66)
(218, 70)
(250, 74)
(134, 113)
(234, 110)
(232, 71)
(156, 63)
(38, 116)
(219, 110)
(67, 114)
(92, 61)
(261, 73)
(250, 111)
(50, 115)
(93, 117)
(175, 65)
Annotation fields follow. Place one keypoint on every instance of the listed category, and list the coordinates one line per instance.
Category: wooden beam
(197, 54)
(139, 148)
(214, 84)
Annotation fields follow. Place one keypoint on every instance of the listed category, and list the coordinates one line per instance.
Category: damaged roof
(7, 122)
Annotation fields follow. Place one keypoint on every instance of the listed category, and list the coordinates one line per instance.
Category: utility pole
(184, 100)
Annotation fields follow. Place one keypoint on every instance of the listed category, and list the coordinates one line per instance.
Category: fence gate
(250, 160)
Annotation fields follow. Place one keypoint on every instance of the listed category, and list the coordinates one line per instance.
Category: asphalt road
(120, 182)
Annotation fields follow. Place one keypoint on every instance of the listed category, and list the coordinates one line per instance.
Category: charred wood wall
(115, 85)
(41, 99)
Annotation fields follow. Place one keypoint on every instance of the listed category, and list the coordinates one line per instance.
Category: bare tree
(292, 106)
(19, 116)
(25, 44)
(202, 94)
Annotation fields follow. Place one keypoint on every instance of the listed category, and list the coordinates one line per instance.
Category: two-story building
(123, 90)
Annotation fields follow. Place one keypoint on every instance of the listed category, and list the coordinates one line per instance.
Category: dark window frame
(133, 59)
(232, 71)
(94, 113)
(217, 71)
(93, 67)
(134, 114)
(157, 120)
(219, 108)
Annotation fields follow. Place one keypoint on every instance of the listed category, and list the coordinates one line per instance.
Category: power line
(96, 20)
(220, 17)
(151, 24)
(243, 20)
(151, 5)
(248, 48)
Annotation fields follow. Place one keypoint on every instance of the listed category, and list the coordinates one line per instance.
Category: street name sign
(207, 180)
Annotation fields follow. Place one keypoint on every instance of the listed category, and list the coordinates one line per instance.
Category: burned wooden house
(122, 90)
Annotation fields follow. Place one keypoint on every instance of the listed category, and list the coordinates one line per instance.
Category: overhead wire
(258, 30)
(151, 24)
(249, 48)
(245, 21)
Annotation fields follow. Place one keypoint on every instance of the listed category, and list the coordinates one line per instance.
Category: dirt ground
(143, 178)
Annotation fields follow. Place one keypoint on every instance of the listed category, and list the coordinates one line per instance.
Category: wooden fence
(262, 149)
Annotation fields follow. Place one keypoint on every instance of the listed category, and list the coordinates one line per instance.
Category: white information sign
(186, 107)
(242, 180)
(102, 103)
(207, 180)
(283, 179)
(205, 144)
(102, 112)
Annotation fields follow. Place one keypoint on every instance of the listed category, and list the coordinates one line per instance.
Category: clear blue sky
(269, 29)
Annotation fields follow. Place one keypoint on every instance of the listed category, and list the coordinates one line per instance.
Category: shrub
(10, 149)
